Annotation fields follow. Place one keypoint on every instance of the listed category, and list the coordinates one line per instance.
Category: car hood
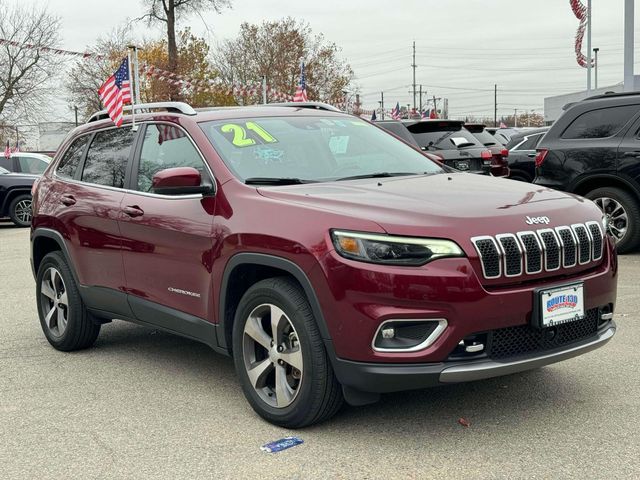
(444, 205)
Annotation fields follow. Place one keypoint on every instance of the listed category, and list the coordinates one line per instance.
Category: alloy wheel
(272, 355)
(616, 216)
(23, 211)
(54, 302)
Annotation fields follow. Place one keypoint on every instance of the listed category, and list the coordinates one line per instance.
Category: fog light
(388, 332)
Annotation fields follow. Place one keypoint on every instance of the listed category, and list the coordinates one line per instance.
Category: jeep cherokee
(331, 260)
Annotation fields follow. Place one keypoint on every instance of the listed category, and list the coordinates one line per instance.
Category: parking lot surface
(146, 404)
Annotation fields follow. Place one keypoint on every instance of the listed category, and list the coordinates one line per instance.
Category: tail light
(486, 155)
(540, 156)
(34, 187)
(504, 152)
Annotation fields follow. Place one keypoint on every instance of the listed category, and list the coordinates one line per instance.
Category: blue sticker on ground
(282, 444)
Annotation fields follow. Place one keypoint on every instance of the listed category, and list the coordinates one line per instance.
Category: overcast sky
(463, 47)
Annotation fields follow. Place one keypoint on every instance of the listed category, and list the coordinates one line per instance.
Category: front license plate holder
(558, 305)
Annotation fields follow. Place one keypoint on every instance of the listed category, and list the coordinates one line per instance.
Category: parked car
(448, 141)
(593, 150)
(503, 134)
(499, 163)
(522, 153)
(330, 259)
(25, 162)
(15, 197)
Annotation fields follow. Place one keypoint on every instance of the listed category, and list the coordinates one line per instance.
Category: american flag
(7, 151)
(301, 91)
(116, 91)
(395, 112)
(168, 132)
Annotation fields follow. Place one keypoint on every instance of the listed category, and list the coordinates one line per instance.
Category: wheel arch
(44, 241)
(592, 182)
(11, 194)
(242, 271)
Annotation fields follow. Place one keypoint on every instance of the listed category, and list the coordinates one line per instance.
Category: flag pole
(134, 127)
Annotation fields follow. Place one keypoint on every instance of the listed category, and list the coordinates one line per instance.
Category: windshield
(313, 149)
(443, 137)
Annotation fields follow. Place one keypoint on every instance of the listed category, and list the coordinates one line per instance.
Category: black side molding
(274, 262)
(59, 239)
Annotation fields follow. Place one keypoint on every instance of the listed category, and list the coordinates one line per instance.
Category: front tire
(63, 315)
(623, 211)
(20, 210)
(280, 357)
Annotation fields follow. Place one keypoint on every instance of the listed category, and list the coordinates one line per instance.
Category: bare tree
(25, 72)
(168, 12)
(274, 49)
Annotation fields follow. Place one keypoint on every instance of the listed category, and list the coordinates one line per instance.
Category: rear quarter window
(71, 159)
(600, 123)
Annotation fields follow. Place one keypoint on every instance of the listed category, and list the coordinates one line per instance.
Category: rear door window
(68, 166)
(108, 157)
(601, 123)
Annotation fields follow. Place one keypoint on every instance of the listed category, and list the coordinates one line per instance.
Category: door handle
(631, 154)
(531, 155)
(68, 200)
(133, 211)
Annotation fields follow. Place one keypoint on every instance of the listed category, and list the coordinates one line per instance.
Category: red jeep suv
(331, 260)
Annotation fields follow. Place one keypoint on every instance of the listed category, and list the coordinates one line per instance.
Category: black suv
(447, 141)
(15, 196)
(522, 152)
(593, 150)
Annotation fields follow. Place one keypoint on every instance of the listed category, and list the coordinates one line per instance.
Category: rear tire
(63, 316)
(624, 211)
(20, 210)
(291, 395)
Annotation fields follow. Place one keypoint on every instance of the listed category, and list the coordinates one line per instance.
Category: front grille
(530, 252)
(521, 340)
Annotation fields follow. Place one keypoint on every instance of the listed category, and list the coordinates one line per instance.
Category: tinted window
(600, 123)
(486, 138)
(32, 165)
(312, 148)
(530, 143)
(71, 159)
(164, 147)
(108, 156)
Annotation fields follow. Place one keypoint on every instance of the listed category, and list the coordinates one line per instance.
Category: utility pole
(595, 64)
(628, 46)
(264, 89)
(495, 105)
(420, 109)
(515, 118)
(588, 47)
(414, 74)
(75, 108)
(382, 103)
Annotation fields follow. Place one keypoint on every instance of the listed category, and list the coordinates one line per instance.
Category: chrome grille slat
(532, 252)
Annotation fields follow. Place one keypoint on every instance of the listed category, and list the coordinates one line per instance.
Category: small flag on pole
(7, 151)
(116, 91)
(395, 112)
(301, 90)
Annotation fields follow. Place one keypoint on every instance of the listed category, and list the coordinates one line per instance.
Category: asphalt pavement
(146, 404)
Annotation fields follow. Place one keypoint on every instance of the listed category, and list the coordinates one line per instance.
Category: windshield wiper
(276, 181)
(379, 175)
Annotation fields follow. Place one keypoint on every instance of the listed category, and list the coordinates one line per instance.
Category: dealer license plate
(462, 166)
(561, 305)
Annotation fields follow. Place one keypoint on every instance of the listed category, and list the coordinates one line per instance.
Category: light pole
(595, 63)
(628, 46)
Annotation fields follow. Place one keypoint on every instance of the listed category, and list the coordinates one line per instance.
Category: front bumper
(384, 378)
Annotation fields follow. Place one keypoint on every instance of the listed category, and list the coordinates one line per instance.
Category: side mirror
(179, 181)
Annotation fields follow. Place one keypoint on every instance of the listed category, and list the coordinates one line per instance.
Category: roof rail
(173, 107)
(312, 105)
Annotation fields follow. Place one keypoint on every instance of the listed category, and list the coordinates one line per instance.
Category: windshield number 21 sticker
(240, 134)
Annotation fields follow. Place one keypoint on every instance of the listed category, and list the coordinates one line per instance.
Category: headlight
(392, 250)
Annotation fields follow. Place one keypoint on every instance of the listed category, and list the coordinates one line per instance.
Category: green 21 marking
(240, 138)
